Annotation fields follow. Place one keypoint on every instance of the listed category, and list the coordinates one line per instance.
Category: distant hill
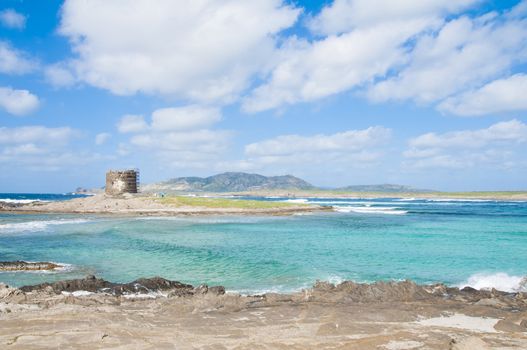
(382, 188)
(228, 182)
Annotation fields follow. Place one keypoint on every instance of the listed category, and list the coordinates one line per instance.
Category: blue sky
(426, 93)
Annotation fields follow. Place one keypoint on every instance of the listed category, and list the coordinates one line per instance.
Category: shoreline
(383, 315)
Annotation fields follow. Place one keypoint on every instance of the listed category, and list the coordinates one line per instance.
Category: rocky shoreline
(158, 313)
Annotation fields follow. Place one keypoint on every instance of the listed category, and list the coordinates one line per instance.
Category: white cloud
(343, 16)
(185, 118)
(464, 54)
(40, 148)
(12, 19)
(131, 123)
(36, 135)
(358, 45)
(13, 61)
(101, 138)
(310, 71)
(199, 50)
(18, 102)
(352, 148)
(178, 136)
(498, 96)
(458, 149)
(59, 75)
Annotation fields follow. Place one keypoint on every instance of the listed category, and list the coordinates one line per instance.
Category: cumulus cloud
(343, 16)
(459, 149)
(464, 54)
(179, 136)
(185, 118)
(498, 96)
(199, 50)
(18, 102)
(13, 61)
(36, 135)
(352, 148)
(310, 71)
(39, 147)
(12, 19)
(358, 45)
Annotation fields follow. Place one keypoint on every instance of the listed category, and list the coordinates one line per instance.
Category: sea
(477, 243)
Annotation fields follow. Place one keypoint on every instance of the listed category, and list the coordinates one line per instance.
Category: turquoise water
(474, 243)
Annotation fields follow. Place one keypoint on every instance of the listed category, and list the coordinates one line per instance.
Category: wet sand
(348, 316)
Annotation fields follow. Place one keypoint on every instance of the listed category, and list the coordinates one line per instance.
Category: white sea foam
(500, 281)
(20, 201)
(36, 226)
(458, 200)
(371, 210)
(297, 200)
(78, 293)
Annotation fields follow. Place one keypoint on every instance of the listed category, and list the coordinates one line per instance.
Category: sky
(426, 93)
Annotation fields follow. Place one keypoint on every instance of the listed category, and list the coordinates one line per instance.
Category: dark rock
(217, 290)
(27, 266)
(139, 286)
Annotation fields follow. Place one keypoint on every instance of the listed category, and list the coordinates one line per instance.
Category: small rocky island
(27, 266)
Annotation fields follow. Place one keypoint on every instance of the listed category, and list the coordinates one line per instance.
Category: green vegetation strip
(181, 201)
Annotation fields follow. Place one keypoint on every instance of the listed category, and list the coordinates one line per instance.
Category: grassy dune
(182, 201)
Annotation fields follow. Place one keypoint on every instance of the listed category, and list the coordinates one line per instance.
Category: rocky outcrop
(139, 286)
(27, 266)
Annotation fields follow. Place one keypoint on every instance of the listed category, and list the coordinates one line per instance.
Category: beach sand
(348, 316)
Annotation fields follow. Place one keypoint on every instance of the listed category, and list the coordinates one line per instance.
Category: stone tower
(122, 181)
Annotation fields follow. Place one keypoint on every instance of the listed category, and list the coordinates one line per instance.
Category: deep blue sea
(477, 243)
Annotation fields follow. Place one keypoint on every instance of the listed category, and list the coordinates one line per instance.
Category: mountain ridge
(229, 182)
(246, 182)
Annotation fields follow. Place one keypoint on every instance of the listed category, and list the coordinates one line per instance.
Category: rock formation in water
(27, 266)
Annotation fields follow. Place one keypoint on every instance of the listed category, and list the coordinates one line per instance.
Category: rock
(508, 326)
(470, 343)
(93, 284)
(139, 286)
(378, 291)
(217, 290)
(201, 289)
(27, 266)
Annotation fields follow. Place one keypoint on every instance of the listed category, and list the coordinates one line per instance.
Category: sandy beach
(347, 316)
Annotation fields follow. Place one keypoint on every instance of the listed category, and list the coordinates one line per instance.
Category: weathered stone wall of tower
(122, 181)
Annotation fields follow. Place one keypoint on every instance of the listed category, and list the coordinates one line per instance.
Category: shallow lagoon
(457, 242)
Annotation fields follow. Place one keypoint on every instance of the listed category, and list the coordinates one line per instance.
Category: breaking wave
(500, 281)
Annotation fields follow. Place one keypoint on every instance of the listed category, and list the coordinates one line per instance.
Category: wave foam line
(21, 201)
(35, 226)
(371, 210)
